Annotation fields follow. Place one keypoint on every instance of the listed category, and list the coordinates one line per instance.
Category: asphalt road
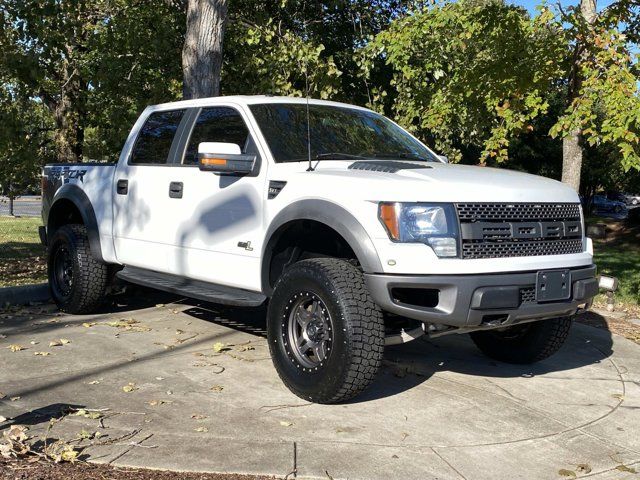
(27, 206)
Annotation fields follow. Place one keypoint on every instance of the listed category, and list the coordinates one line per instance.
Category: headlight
(430, 223)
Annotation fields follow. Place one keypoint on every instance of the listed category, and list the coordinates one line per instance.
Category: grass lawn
(22, 257)
(619, 255)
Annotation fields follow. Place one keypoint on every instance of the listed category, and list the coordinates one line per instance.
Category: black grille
(523, 212)
(520, 249)
(528, 294)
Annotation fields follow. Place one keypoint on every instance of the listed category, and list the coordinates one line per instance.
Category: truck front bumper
(478, 300)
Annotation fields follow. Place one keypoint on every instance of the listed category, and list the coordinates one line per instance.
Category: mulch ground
(23, 470)
(619, 326)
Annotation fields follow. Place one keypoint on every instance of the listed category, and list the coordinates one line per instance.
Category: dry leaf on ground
(130, 387)
(217, 388)
(16, 348)
(42, 354)
(201, 429)
(286, 424)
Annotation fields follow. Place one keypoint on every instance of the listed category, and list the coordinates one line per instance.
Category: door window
(154, 140)
(217, 124)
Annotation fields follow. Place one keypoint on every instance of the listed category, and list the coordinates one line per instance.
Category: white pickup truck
(349, 228)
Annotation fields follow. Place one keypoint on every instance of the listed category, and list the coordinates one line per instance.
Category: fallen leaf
(179, 332)
(201, 429)
(245, 348)
(13, 399)
(618, 396)
(198, 416)
(624, 468)
(220, 347)
(2, 395)
(130, 387)
(87, 414)
(88, 324)
(563, 472)
(64, 341)
(2, 419)
(55, 343)
(286, 424)
(156, 403)
(42, 354)
(94, 382)
(33, 342)
(160, 305)
(217, 388)
(16, 348)
(159, 378)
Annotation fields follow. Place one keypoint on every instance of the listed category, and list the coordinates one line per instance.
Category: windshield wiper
(336, 156)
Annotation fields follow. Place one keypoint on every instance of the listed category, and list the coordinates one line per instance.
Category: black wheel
(77, 280)
(326, 335)
(527, 343)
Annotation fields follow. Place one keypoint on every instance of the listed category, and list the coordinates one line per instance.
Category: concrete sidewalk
(439, 409)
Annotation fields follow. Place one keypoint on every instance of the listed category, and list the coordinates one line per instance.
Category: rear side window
(217, 124)
(154, 140)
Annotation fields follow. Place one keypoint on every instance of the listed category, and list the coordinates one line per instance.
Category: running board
(209, 292)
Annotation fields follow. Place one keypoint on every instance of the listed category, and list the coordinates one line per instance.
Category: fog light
(444, 246)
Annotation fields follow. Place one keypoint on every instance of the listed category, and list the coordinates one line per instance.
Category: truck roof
(246, 100)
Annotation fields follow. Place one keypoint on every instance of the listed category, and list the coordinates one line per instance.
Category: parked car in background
(600, 203)
(628, 198)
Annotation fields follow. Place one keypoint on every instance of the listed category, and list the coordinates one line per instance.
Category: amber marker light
(389, 218)
(213, 161)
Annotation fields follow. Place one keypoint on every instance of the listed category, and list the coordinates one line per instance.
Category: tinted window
(217, 124)
(335, 133)
(154, 140)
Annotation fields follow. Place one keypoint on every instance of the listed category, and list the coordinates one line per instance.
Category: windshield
(336, 133)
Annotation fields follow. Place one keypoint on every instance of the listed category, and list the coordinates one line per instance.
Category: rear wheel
(77, 280)
(326, 335)
(527, 343)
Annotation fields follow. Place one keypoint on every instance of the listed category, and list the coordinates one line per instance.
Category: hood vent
(386, 166)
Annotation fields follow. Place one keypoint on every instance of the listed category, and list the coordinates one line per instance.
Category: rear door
(144, 203)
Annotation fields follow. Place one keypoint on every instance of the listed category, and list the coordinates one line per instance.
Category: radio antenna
(306, 86)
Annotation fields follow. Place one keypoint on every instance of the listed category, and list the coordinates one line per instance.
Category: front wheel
(326, 335)
(527, 343)
(77, 280)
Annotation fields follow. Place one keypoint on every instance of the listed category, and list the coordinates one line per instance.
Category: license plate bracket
(553, 285)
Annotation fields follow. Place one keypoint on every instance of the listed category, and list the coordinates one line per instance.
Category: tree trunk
(571, 144)
(202, 50)
(572, 159)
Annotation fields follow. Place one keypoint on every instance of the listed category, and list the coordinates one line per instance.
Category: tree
(25, 140)
(603, 104)
(91, 63)
(202, 51)
(475, 74)
(467, 74)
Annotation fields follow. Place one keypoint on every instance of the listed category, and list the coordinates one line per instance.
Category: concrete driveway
(439, 409)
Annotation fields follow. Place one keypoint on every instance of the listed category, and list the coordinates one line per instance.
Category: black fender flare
(331, 215)
(76, 195)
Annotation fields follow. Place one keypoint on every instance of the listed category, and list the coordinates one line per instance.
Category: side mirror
(224, 158)
(443, 158)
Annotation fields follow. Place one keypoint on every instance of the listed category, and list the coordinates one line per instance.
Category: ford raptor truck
(350, 230)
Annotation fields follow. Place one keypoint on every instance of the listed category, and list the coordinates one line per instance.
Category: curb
(23, 295)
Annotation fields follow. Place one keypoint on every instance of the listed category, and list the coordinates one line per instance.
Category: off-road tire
(89, 276)
(357, 344)
(527, 343)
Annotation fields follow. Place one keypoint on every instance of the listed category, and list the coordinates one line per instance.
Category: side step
(209, 292)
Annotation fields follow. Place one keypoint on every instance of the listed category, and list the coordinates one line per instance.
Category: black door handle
(175, 190)
(122, 187)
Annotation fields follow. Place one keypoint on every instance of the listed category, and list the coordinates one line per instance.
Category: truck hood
(438, 182)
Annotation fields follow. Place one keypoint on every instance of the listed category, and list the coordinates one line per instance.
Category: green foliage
(607, 105)
(468, 73)
(92, 63)
(25, 140)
